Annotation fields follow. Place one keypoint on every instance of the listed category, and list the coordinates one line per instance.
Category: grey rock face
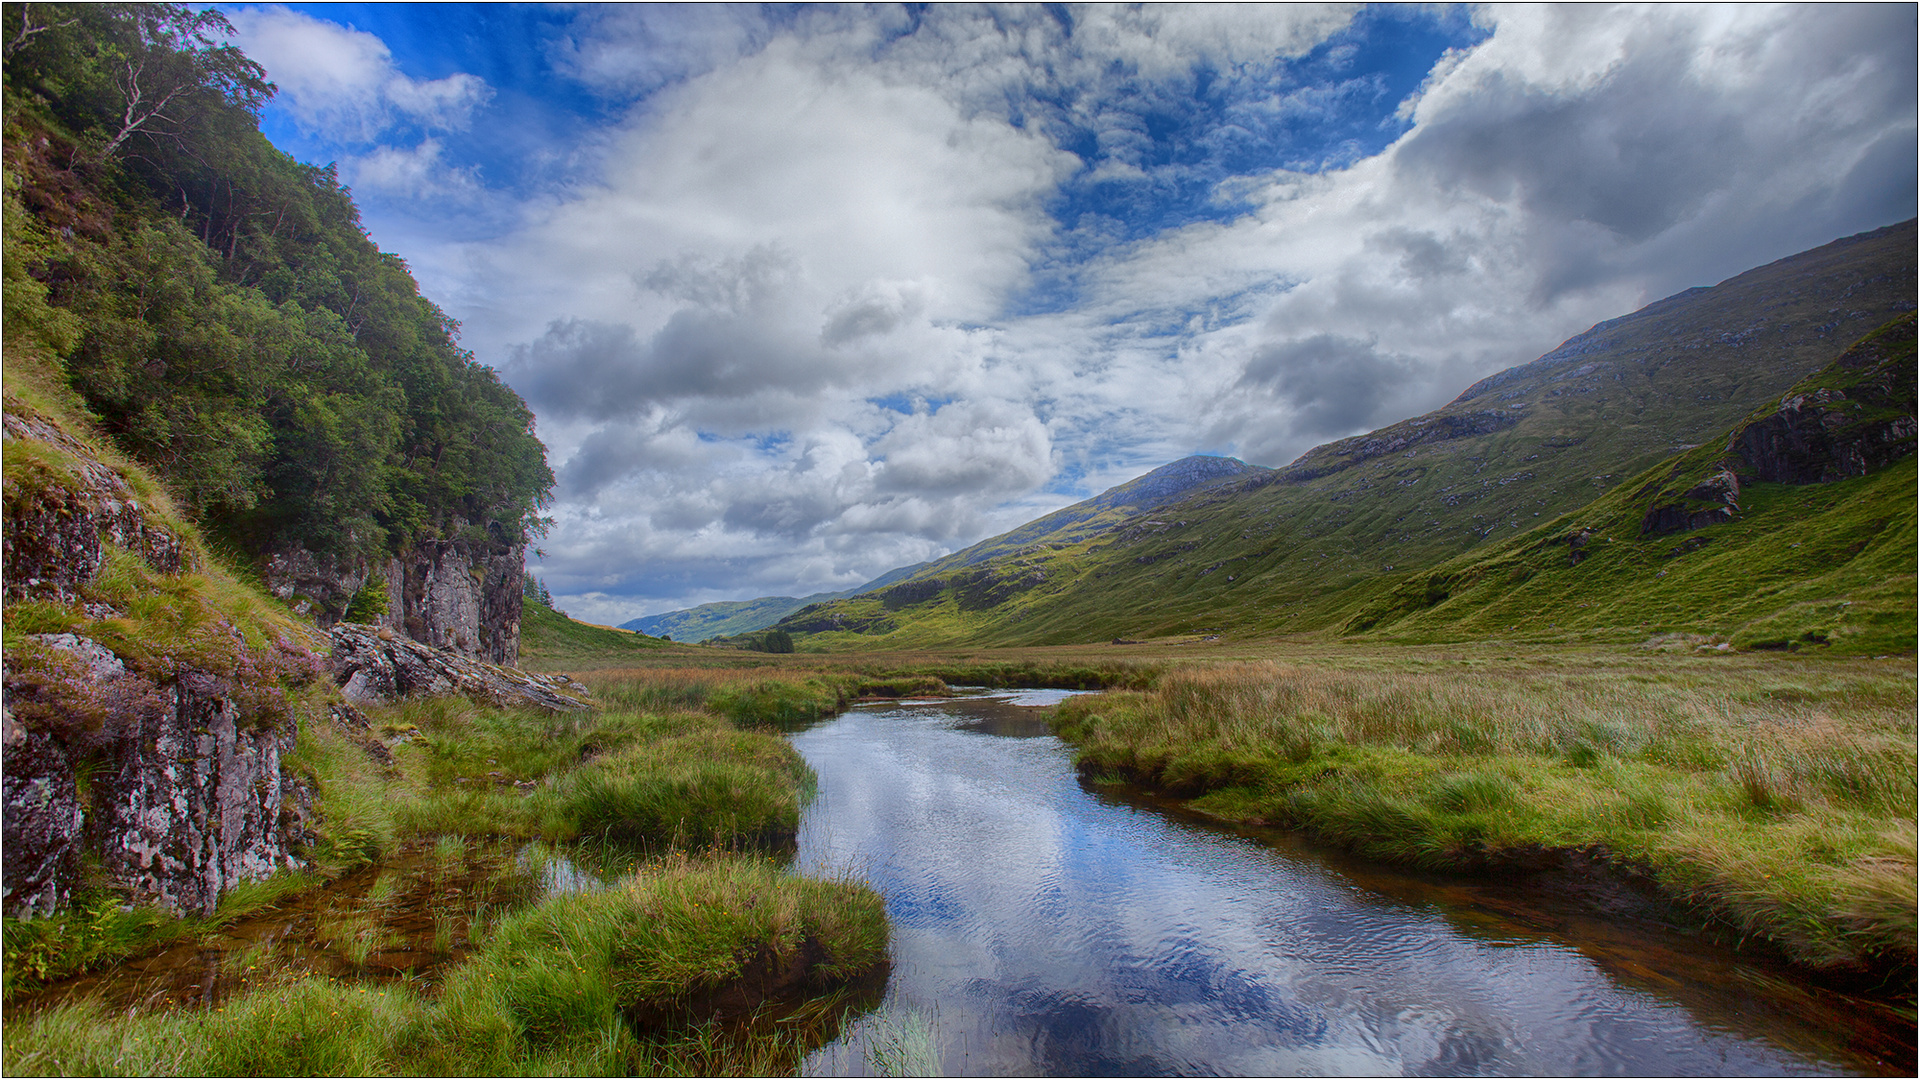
(55, 529)
(458, 595)
(182, 799)
(376, 666)
(320, 587)
(461, 597)
(42, 822)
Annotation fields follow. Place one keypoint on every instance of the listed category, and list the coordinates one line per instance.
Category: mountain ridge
(1300, 547)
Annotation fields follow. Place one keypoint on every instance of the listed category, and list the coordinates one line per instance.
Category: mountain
(726, 618)
(1306, 546)
(1063, 528)
(1794, 527)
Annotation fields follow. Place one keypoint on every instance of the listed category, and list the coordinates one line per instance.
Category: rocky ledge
(376, 666)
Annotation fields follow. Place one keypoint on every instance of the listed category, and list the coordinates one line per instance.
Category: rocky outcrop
(62, 505)
(1815, 439)
(909, 593)
(462, 595)
(994, 584)
(151, 768)
(1709, 502)
(1851, 418)
(172, 786)
(454, 594)
(826, 618)
(374, 665)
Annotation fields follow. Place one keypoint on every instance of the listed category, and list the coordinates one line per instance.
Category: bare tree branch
(27, 30)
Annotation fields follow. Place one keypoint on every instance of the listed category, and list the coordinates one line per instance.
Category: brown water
(1042, 927)
(405, 921)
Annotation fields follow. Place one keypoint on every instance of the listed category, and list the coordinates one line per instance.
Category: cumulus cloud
(852, 287)
(341, 85)
(342, 82)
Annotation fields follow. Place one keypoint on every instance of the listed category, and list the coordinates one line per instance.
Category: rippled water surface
(1041, 928)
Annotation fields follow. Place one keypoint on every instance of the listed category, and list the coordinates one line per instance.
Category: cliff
(462, 595)
(149, 703)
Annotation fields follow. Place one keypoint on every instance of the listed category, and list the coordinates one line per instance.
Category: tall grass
(1785, 810)
(564, 987)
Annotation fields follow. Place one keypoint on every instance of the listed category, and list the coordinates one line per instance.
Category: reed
(1784, 808)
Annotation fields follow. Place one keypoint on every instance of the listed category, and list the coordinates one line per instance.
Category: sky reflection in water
(1046, 930)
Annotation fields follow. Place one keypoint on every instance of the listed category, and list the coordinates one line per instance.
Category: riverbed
(1043, 926)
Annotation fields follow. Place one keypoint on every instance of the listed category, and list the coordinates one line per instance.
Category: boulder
(374, 665)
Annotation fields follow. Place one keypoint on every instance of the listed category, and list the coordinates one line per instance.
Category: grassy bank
(663, 971)
(1779, 803)
(602, 983)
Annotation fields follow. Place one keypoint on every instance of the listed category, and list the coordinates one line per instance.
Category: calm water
(1040, 928)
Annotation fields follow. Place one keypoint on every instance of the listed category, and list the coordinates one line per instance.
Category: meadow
(1768, 797)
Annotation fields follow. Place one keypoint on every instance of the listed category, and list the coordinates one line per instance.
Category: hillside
(1759, 542)
(1302, 547)
(221, 310)
(1069, 524)
(726, 618)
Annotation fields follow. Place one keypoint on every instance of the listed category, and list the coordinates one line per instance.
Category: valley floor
(1772, 795)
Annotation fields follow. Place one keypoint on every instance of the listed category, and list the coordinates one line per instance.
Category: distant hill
(1273, 551)
(727, 618)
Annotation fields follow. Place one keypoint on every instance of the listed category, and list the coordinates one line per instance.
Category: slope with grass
(1301, 548)
(1703, 544)
(730, 618)
(549, 641)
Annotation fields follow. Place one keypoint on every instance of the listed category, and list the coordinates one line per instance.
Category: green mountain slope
(726, 618)
(1303, 547)
(1067, 525)
(1825, 558)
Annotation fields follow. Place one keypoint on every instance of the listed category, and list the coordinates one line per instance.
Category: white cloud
(410, 172)
(341, 83)
(778, 340)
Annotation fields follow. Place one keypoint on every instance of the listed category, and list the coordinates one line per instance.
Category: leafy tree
(222, 309)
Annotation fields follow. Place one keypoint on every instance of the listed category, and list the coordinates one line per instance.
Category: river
(1043, 928)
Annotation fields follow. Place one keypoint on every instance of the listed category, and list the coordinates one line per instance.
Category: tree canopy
(220, 306)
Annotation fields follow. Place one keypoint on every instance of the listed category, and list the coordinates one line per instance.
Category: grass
(99, 929)
(1781, 807)
(555, 991)
(551, 641)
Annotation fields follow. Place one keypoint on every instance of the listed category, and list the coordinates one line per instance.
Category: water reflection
(1045, 929)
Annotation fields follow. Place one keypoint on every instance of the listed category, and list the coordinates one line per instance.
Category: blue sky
(803, 293)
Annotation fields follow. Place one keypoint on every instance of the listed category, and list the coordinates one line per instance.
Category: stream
(1044, 928)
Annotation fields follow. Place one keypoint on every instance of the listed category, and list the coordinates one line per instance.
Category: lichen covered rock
(173, 786)
(62, 504)
(376, 666)
(461, 595)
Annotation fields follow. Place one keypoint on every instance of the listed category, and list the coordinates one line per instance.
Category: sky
(800, 294)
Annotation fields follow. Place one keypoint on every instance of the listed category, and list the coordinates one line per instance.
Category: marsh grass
(902, 1044)
(101, 928)
(556, 990)
(1784, 809)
